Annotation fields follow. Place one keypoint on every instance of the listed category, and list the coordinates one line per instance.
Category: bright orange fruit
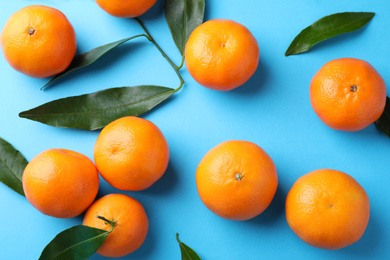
(327, 209)
(221, 54)
(348, 94)
(131, 224)
(38, 41)
(131, 153)
(126, 8)
(60, 183)
(236, 180)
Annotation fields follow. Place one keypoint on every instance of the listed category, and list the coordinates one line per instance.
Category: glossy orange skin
(131, 153)
(60, 183)
(327, 209)
(222, 54)
(126, 8)
(131, 224)
(48, 50)
(348, 94)
(228, 197)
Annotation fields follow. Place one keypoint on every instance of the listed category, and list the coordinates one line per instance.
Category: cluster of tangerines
(236, 180)
(130, 153)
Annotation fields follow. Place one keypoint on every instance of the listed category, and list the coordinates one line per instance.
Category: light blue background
(273, 110)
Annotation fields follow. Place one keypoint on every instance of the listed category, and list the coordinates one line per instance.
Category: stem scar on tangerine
(31, 31)
(238, 176)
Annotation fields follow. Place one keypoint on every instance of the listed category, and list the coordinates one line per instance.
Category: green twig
(111, 222)
(176, 68)
(182, 63)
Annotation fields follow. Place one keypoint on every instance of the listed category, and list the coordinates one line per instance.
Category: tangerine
(126, 8)
(129, 219)
(348, 94)
(131, 153)
(327, 209)
(236, 180)
(38, 41)
(221, 54)
(60, 183)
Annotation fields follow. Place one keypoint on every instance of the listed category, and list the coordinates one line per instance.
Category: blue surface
(273, 110)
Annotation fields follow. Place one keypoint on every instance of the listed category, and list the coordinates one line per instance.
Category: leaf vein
(100, 110)
(82, 242)
(8, 167)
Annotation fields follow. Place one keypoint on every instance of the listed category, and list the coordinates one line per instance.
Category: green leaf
(383, 123)
(328, 27)
(96, 110)
(12, 164)
(186, 252)
(183, 16)
(76, 243)
(87, 58)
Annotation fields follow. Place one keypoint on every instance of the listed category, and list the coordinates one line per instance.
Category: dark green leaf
(96, 110)
(76, 243)
(90, 57)
(12, 164)
(383, 123)
(186, 252)
(328, 27)
(183, 16)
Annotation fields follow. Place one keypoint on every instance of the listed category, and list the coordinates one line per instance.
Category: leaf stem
(176, 68)
(181, 85)
(182, 63)
(111, 222)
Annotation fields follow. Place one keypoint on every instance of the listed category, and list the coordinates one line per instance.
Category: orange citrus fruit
(131, 153)
(60, 183)
(236, 180)
(38, 41)
(327, 209)
(348, 94)
(126, 8)
(131, 224)
(221, 54)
